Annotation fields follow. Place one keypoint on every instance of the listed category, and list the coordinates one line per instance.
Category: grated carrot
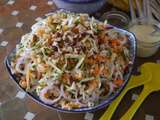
(115, 42)
(97, 70)
(118, 82)
(100, 58)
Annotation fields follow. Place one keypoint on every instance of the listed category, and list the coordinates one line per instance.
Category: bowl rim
(97, 107)
(133, 50)
(81, 1)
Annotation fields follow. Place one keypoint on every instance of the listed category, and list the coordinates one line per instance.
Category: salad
(71, 60)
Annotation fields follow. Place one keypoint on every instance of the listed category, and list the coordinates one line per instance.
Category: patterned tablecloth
(16, 18)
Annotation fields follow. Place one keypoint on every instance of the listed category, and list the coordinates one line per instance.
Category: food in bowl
(72, 61)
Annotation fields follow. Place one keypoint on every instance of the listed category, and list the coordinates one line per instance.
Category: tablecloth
(16, 18)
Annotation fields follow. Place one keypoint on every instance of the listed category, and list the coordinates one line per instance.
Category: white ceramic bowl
(83, 6)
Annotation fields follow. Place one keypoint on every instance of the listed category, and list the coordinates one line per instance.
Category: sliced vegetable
(71, 60)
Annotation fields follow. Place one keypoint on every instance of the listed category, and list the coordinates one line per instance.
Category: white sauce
(146, 43)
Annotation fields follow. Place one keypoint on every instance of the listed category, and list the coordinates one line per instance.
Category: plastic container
(144, 50)
(116, 18)
(83, 6)
(147, 43)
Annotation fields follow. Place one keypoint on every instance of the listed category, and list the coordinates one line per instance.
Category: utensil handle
(139, 9)
(149, 13)
(132, 110)
(112, 107)
(145, 8)
(132, 11)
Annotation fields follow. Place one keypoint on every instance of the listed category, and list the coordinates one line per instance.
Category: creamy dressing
(147, 44)
(143, 33)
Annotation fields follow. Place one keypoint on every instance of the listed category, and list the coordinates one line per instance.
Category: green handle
(112, 107)
(135, 81)
(132, 110)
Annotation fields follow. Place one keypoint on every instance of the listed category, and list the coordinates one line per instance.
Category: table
(16, 18)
